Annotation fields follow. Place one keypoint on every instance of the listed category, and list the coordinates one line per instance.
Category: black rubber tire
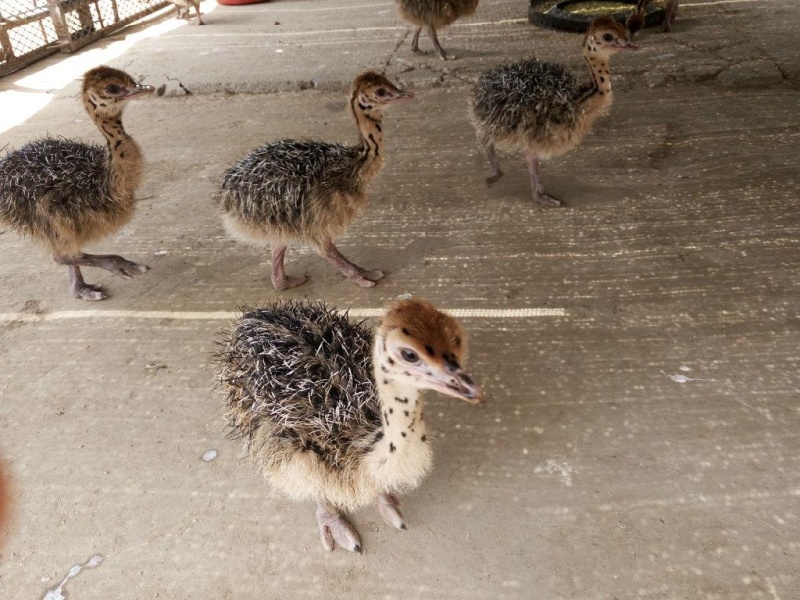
(564, 20)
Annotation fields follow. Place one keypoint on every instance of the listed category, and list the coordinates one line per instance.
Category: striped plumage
(65, 194)
(330, 411)
(309, 191)
(540, 107)
(433, 15)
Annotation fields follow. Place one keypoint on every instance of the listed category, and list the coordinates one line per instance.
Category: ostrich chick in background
(541, 108)
(433, 15)
(635, 22)
(183, 9)
(310, 191)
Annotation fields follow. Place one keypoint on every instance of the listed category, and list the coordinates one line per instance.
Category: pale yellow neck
(598, 67)
(400, 405)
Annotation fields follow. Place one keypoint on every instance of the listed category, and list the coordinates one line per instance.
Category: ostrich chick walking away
(433, 15)
(333, 415)
(636, 20)
(66, 194)
(541, 108)
(310, 190)
(183, 9)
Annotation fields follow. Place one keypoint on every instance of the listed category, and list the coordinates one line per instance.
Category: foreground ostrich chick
(433, 15)
(309, 191)
(541, 108)
(333, 415)
(65, 194)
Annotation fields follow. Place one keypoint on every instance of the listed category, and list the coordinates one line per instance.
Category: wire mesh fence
(31, 29)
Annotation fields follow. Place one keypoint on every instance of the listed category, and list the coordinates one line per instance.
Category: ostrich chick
(334, 415)
(310, 190)
(541, 108)
(433, 15)
(635, 21)
(66, 194)
(183, 9)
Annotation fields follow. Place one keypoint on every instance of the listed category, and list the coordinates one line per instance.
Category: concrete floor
(642, 445)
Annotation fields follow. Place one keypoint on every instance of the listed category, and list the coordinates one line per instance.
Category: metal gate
(31, 29)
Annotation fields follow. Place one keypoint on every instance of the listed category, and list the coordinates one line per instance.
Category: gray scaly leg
(82, 290)
(333, 527)
(537, 190)
(389, 507)
(493, 162)
(350, 270)
(440, 51)
(279, 278)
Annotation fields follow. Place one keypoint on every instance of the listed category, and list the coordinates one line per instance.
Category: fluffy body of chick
(65, 193)
(435, 13)
(62, 194)
(296, 190)
(534, 104)
(300, 393)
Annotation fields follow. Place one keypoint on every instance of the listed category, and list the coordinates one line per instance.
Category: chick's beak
(455, 382)
(139, 90)
(627, 45)
(403, 95)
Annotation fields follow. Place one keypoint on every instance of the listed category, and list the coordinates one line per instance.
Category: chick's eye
(607, 37)
(381, 92)
(113, 88)
(409, 356)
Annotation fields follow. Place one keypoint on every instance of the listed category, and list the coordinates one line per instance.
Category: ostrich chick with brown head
(332, 413)
(309, 191)
(433, 15)
(66, 194)
(541, 108)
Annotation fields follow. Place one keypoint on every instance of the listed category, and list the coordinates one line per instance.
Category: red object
(237, 2)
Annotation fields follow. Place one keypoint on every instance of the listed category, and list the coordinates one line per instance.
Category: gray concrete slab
(642, 445)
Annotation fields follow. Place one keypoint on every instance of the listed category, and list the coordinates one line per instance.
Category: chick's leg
(334, 527)
(439, 50)
(110, 262)
(389, 508)
(279, 278)
(197, 10)
(82, 290)
(415, 41)
(672, 10)
(493, 163)
(350, 270)
(537, 190)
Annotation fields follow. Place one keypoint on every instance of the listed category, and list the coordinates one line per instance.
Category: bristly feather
(303, 373)
(437, 13)
(529, 98)
(288, 184)
(53, 181)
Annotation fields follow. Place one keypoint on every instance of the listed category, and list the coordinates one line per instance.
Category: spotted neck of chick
(125, 156)
(403, 456)
(369, 119)
(599, 90)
